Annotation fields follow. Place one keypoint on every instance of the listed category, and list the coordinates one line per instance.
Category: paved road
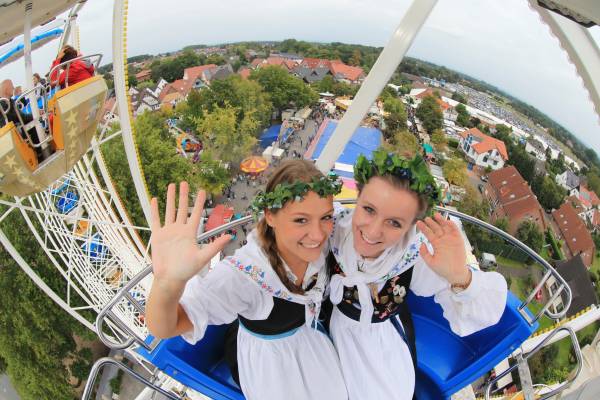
(7, 392)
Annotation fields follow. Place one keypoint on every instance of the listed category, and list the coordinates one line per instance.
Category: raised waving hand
(176, 256)
(449, 256)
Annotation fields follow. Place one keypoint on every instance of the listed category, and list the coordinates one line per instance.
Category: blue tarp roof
(364, 141)
(270, 135)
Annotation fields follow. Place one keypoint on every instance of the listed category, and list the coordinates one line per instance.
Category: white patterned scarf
(252, 261)
(361, 272)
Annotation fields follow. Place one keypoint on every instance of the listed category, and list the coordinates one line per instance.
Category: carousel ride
(70, 204)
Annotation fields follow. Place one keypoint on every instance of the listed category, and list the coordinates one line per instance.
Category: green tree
(464, 117)
(212, 175)
(283, 88)
(131, 79)
(246, 95)
(455, 171)
(403, 143)
(593, 182)
(502, 223)
(472, 204)
(529, 233)
(439, 140)
(356, 58)
(459, 97)
(430, 114)
(215, 59)
(146, 85)
(229, 140)
(549, 193)
(159, 162)
(35, 334)
(395, 120)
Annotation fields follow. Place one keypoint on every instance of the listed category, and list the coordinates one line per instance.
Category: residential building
(144, 75)
(483, 150)
(310, 75)
(568, 180)
(144, 101)
(536, 149)
(217, 73)
(109, 115)
(576, 275)
(171, 100)
(573, 231)
(197, 77)
(346, 73)
(511, 197)
(588, 198)
(244, 72)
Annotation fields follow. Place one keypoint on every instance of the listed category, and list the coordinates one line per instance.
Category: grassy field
(507, 262)
(596, 264)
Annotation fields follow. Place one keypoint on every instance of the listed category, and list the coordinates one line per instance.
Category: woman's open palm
(449, 255)
(176, 256)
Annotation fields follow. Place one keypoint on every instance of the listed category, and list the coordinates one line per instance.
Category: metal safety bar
(98, 365)
(549, 270)
(133, 337)
(21, 102)
(67, 64)
(123, 293)
(522, 364)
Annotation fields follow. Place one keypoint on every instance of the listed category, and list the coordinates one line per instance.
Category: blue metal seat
(446, 362)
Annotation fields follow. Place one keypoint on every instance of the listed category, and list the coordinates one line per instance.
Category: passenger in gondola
(381, 249)
(273, 286)
(11, 113)
(72, 73)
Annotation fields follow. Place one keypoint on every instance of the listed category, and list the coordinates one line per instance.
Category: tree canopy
(229, 139)
(284, 89)
(455, 171)
(430, 114)
(395, 119)
(530, 234)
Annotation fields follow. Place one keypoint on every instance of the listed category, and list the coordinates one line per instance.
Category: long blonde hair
(288, 172)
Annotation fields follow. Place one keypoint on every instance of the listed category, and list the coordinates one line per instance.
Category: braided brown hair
(288, 172)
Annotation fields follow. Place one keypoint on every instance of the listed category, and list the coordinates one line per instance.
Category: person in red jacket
(70, 74)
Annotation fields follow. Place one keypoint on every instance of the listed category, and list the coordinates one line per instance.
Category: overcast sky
(501, 42)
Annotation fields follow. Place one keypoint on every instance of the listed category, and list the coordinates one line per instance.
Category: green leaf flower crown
(284, 192)
(415, 171)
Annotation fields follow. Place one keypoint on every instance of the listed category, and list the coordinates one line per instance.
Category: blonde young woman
(273, 285)
(383, 248)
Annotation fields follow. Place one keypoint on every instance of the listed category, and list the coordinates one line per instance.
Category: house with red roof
(575, 234)
(511, 197)
(346, 73)
(285, 63)
(244, 72)
(144, 75)
(313, 63)
(483, 150)
(198, 77)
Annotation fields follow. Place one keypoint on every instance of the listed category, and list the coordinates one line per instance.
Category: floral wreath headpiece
(284, 192)
(415, 171)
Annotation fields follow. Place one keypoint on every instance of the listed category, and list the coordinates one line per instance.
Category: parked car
(481, 188)
(484, 178)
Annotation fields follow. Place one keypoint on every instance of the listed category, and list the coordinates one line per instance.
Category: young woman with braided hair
(273, 286)
(381, 249)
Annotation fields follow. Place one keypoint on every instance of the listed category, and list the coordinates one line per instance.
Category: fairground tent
(365, 140)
